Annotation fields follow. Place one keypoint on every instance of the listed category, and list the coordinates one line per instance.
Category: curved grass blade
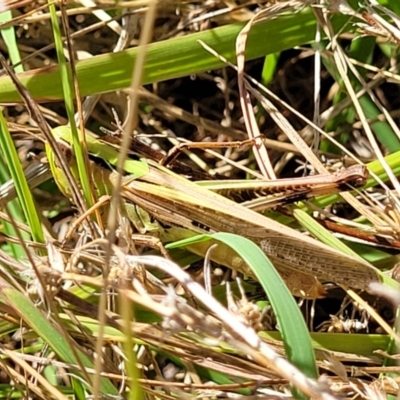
(15, 210)
(292, 326)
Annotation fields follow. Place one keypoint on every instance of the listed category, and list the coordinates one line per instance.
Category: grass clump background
(144, 284)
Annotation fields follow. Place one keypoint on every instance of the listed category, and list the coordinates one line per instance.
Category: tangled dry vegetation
(98, 305)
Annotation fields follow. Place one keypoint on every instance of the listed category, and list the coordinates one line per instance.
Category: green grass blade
(15, 211)
(8, 35)
(292, 325)
(269, 68)
(69, 95)
(172, 58)
(21, 185)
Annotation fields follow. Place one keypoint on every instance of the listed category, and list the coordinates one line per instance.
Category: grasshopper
(299, 258)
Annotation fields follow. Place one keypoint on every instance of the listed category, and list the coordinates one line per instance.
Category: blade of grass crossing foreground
(16, 213)
(21, 185)
(294, 331)
(8, 35)
(69, 95)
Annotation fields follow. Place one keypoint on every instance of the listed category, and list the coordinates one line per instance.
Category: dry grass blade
(11, 4)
